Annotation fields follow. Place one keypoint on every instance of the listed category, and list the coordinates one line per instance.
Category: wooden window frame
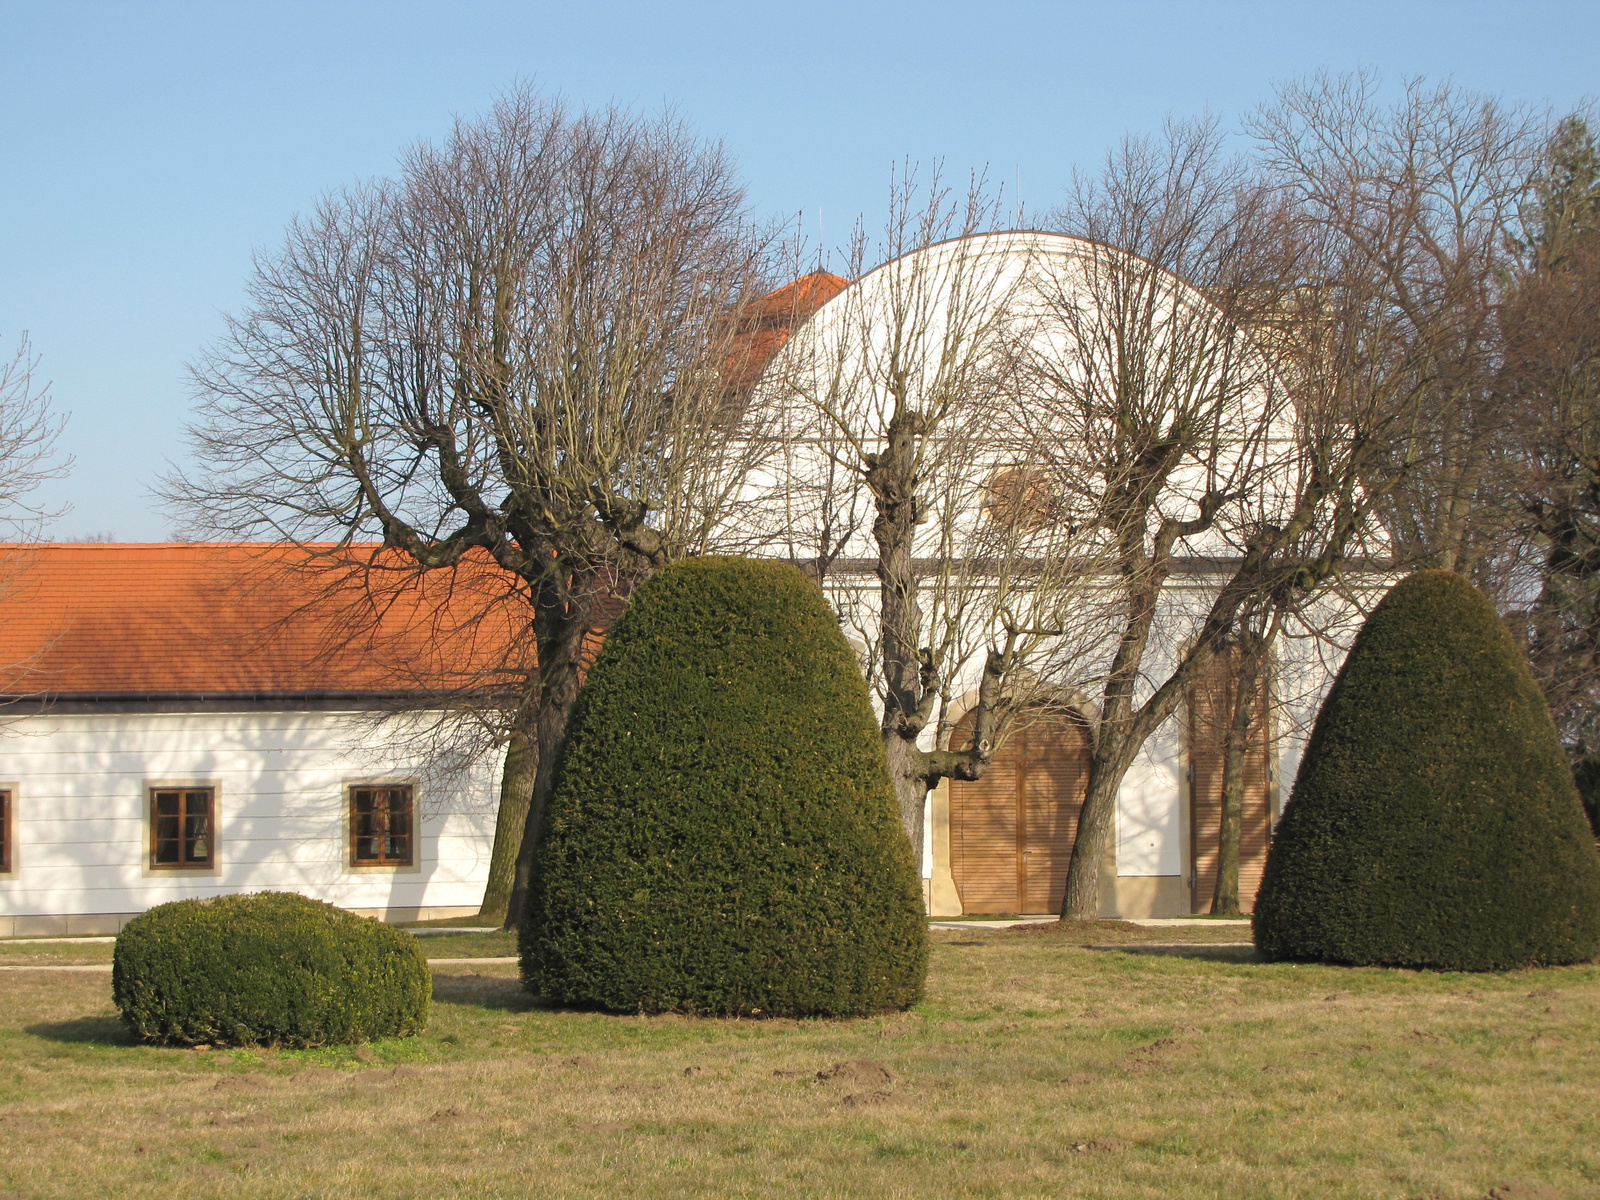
(384, 861)
(8, 831)
(211, 862)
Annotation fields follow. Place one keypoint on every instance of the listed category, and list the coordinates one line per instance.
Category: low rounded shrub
(721, 837)
(1434, 821)
(274, 968)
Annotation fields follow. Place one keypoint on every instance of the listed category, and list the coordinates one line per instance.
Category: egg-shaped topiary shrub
(1434, 822)
(721, 838)
(273, 968)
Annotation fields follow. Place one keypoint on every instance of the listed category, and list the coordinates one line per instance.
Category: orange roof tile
(772, 320)
(230, 619)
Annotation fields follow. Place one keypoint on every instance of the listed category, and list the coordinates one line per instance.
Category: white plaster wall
(82, 826)
(1149, 808)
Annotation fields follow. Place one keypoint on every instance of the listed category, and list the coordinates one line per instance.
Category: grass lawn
(1037, 1066)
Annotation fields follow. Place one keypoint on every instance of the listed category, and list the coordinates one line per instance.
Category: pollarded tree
(1434, 822)
(515, 353)
(896, 467)
(721, 837)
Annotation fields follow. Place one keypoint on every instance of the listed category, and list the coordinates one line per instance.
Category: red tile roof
(772, 320)
(252, 619)
(228, 619)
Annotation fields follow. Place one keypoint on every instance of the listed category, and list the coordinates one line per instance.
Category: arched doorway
(1011, 832)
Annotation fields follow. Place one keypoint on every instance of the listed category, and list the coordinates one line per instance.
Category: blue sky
(149, 148)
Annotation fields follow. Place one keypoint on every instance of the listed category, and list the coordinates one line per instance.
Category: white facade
(81, 831)
(939, 332)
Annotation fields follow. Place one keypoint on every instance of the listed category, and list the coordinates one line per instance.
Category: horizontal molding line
(1192, 564)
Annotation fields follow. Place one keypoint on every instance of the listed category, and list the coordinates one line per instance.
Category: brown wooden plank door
(1011, 832)
(1210, 711)
(1055, 755)
(983, 831)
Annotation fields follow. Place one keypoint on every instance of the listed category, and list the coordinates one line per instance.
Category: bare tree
(1161, 427)
(1417, 195)
(511, 357)
(29, 430)
(1549, 461)
(901, 485)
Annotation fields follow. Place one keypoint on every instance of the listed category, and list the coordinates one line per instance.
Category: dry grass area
(1036, 1067)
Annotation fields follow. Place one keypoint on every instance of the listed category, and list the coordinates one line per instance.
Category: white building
(174, 732)
(946, 331)
(184, 721)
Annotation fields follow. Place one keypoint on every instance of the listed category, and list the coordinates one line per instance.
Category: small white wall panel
(1149, 807)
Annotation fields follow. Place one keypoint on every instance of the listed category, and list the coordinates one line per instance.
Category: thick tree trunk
(1235, 746)
(908, 771)
(516, 793)
(1082, 899)
(907, 702)
(560, 626)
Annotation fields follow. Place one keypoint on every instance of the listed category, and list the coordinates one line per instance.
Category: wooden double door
(1211, 706)
(1011, 832)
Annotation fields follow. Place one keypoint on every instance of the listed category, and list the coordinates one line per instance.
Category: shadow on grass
(83, 1031)
(485, 991)
(1211, 953)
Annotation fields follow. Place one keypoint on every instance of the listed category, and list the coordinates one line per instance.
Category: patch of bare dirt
(859, 1072)
(310, 1076)
(869, 1099)
(1108, 1145)
(249, 1082)
(379, 1082)
(870, 1083)
(1158, 1054)
(1507, 1191)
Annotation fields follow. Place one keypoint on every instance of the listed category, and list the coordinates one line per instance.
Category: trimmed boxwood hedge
(1434, 822)
(721, 837)
(273, 968)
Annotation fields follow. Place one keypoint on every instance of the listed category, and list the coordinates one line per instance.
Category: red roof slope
(772, 320)
(251, 618)
(230, 619)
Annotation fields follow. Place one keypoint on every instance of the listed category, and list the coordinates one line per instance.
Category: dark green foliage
(1587, 776)
(273, 968)
(1434, 822)
(721, 837)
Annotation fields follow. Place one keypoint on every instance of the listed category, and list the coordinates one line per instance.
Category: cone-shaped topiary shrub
(721, 837)
(273, 968)
(1434, 822)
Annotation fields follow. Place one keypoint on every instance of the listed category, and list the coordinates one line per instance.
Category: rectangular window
(5, 831)
(181, 833)
(381, 825)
